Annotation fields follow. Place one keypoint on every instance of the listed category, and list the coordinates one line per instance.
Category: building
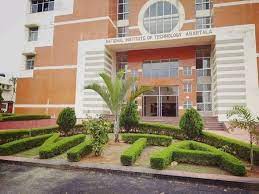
(6, 86)
(195, 53)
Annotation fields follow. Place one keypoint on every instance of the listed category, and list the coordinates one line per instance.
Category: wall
(186, 57)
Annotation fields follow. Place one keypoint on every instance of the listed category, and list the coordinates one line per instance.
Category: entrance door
(162, 102)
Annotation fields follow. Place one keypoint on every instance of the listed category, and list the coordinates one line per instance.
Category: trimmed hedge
(238, 148)
(24, 117)
(235, 147)
(6, 114)
(130, 155)
(160, 129)
(54, 149)
(75, 154)
(14, 134)
(197, 153)
(50, 140)
(155, 140)
(22, 144)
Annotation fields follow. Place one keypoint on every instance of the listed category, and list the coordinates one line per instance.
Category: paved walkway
(22, 179)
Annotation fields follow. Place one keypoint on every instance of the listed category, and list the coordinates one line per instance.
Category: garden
(129, 142)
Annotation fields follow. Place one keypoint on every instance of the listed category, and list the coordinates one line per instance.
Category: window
(203, 4)
(123, 10)
(187, 87)
(187, 71)
(187, 104)
(33, 34)
(203, 22)
(161, 68)
(204, 101)
(134, 72)
(161, 17)
(42, 5)
(122, 31)
(203, 62)
(30, 62)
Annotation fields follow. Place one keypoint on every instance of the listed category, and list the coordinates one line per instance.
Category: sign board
(154, 37)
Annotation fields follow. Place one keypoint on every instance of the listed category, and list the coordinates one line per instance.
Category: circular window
(161, 16)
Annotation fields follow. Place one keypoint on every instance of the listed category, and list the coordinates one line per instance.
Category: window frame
(42, 6)
(187, 87)
(124, 31)
(187, 104)
(33, 34)
(29, 63)
(124, 13)
(187, 71)
(159, 19)
(203, 22)
(203, 5)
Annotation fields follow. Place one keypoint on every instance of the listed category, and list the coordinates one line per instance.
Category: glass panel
(169, 106)
(150, 105)
(153, 9)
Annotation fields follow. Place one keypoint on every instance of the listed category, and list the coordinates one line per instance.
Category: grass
(31, 153)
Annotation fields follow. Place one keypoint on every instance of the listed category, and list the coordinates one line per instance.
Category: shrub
(98, 130)
(129, 117)
(6, 114)
(24, 117)
(155, 140)
(235, 147)
(50, 140)
(197, 153)
(130, 155)
(13, 134)
(191, 123)
(51, 150)
(75, 154)
(160, 129)
(22, 144)
(66, 120)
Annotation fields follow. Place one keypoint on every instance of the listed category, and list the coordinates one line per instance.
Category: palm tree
(116, 92)
(241, 117)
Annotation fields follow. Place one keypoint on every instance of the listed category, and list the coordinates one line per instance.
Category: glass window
(42, 5)
(187, 87)
(123, 10)
(29, 62)
(203, 4)
(122, 31)
(203, 62)
(161, 68)
(33, 34)
(187, 104)
(187, 71)
(203, 22)
(161, 17)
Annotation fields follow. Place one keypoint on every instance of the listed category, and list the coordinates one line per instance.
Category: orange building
(195, 53)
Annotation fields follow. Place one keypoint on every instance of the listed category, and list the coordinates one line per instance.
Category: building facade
(195, 53)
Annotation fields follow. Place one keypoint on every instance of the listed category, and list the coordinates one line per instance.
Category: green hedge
(155, 140)
(160, 129)
(22, 144)
(235, 147)
(50, 140)
(15, 134)
(75, 154)
(197, 153)
(6, 114)
(238, 148)
(130, 155)
(24, 117)
(51, 150)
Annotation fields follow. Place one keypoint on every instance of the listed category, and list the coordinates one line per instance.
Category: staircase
(211, 123)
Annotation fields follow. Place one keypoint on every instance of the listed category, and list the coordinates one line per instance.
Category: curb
(225, 180)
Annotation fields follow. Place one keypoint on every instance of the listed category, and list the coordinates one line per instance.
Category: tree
(116, 92)
(241, 117)
(66, 120)
(129, 117)
(192, 123)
